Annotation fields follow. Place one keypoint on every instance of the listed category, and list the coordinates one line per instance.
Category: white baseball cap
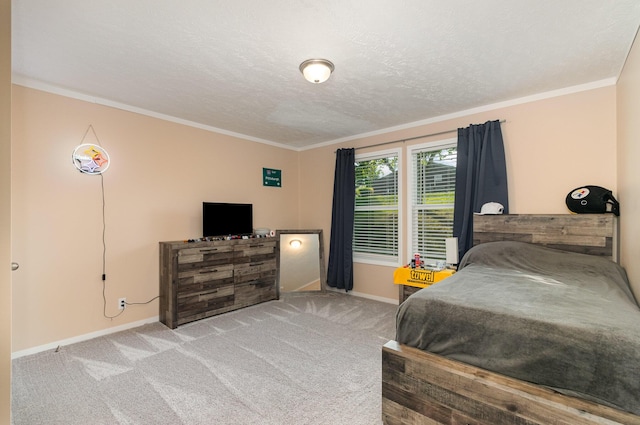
(491, 208)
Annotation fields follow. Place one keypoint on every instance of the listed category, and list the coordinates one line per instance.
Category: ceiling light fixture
(316, 70)
(295, 243)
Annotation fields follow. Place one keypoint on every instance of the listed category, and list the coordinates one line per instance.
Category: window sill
(377, 260)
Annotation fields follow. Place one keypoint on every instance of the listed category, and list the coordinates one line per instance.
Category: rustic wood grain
(422, 388)
(593, 234)
(202, 279)
(406, 291)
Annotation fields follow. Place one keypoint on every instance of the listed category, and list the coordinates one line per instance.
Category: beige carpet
(305, 359)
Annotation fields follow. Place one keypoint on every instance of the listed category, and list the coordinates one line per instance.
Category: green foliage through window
(376, 215)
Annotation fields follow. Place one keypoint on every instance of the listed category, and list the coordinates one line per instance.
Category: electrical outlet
(122, 303)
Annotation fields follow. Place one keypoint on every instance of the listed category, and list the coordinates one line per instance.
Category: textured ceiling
(233, 66)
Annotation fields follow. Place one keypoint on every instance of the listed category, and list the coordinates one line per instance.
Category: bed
(538, 326)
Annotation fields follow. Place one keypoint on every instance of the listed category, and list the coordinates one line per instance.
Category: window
(377, 223)
(432, 181)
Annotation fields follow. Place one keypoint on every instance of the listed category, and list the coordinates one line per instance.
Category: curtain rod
(413, 138)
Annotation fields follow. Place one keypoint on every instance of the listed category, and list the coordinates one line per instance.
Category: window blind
(433, 191)
(376, 225)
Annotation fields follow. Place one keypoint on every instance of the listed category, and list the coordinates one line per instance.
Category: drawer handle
(257, 264)
(209, 250)
(208, 271)
(201, 297)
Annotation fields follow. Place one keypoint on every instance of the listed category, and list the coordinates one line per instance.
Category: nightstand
(412, 280)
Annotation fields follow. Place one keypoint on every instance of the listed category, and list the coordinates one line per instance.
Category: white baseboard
(363, 295)
(85, 337)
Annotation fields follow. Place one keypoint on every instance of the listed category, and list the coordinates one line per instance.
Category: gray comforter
(563, 320)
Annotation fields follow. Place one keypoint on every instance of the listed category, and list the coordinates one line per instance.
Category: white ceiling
(233, 65)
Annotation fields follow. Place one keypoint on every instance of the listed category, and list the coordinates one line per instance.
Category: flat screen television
(223, 219)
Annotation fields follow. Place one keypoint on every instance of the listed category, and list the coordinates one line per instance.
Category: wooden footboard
(423, 388)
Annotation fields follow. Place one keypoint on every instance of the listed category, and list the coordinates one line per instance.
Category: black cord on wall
(104, 258)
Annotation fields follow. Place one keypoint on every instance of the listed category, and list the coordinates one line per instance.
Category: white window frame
(380, 259)
(430, 146)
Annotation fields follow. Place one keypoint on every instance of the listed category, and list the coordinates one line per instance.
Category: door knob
(14, 266)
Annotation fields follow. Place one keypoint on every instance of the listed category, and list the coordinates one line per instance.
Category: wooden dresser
(202, 279)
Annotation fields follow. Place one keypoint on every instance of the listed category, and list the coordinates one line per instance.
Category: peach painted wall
(552, 146)
(628, 112)
(160, 174)
(5, 211)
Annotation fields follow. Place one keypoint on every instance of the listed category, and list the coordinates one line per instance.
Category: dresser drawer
(254, 292)
(257, 270)
(207, 254)
(207, 303)
(255, 251)
(200, 274)
(206, 298)
(255, 282)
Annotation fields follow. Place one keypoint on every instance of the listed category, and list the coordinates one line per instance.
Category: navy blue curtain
(481, 177)
(340, 268)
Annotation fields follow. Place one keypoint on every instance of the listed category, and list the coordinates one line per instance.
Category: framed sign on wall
(271, 177)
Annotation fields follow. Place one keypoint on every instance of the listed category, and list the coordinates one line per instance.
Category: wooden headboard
(594, 234)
